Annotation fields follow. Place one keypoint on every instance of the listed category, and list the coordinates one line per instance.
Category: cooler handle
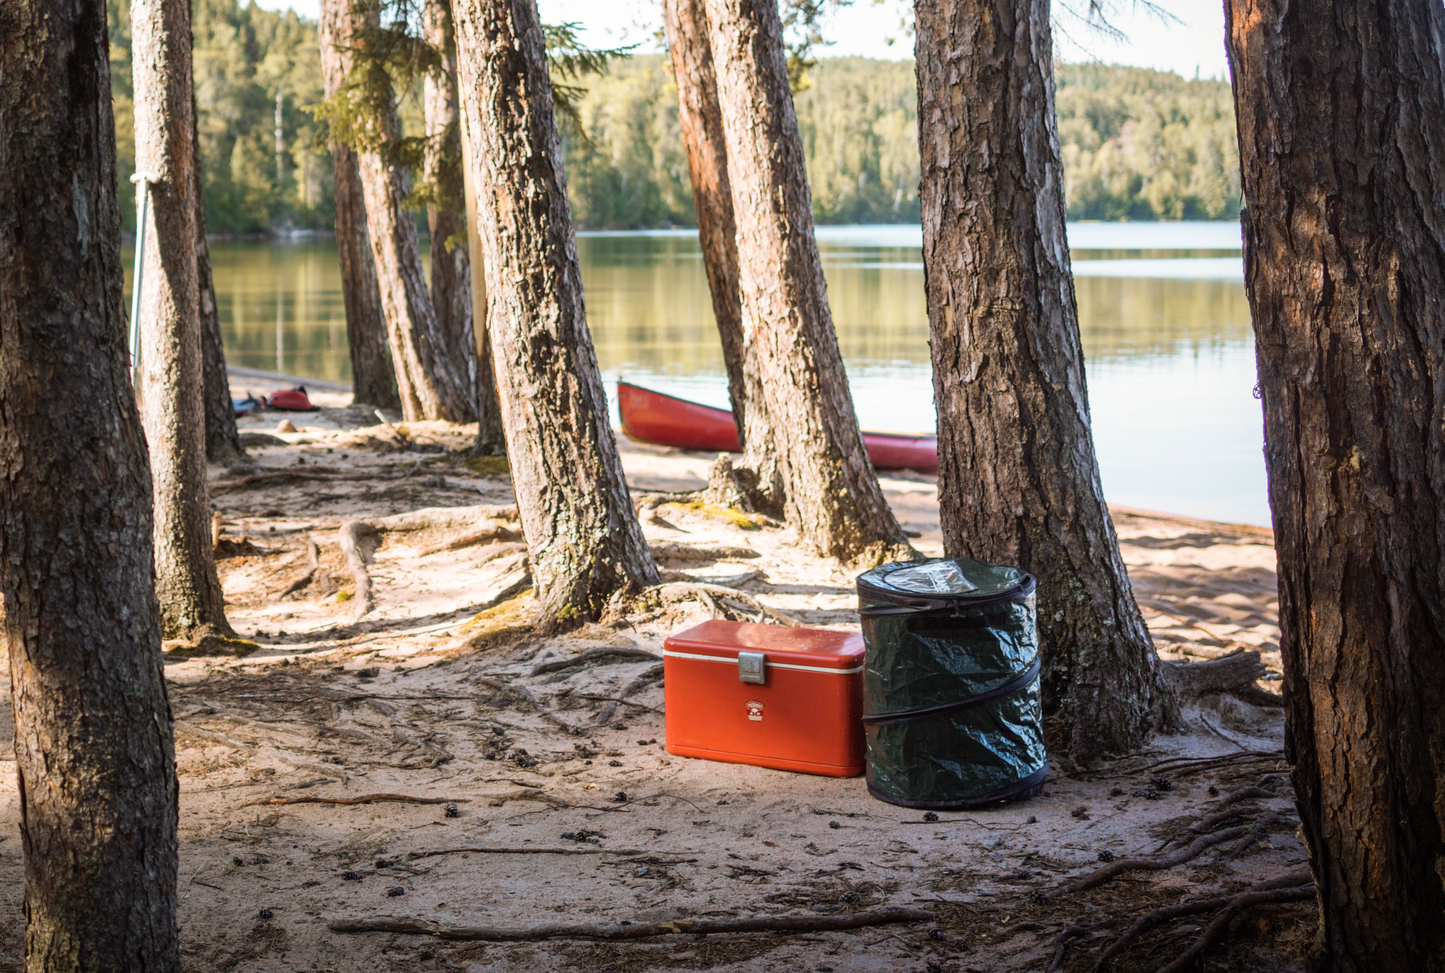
(752, 667)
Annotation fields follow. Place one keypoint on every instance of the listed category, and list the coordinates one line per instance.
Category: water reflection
(1162, 311)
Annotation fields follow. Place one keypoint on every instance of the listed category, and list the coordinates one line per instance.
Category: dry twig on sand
(1117, 868)
(609, 653)
(696, 927)
(508, 850)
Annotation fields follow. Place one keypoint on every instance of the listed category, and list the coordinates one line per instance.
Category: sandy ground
(420, 700)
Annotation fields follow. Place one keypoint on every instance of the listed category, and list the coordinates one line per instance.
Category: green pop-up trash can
(951, 684)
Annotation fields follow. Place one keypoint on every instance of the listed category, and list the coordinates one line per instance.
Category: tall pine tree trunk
(700, 118)
(223, 440)
(373, 378)
(171, 387)
(93, 745)
(1018, 482)
(582, 533)
(802, 418)
(451, 270)
(1341, 122)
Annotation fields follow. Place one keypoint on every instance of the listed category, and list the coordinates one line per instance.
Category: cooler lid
(944, 583)
(812, 648)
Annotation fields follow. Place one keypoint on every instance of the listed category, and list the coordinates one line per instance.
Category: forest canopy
(1137, 144)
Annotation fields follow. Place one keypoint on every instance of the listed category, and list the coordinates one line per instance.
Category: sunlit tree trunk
(373, 378)
(171, 387)
(700, 118)
(451, 271)
(429, 385)
(1341, 122)
(803, 418)
(93, 746)
(582, 533)
(1018, 482)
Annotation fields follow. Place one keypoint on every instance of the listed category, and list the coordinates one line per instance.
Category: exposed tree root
(361, 799)
(709, 594)
(313, 557)
(1302, 891)
(696, 927)
(608, 653)
(359, 540)
(1115, 869)
(508, 850)
(688, 554)
(652, 675)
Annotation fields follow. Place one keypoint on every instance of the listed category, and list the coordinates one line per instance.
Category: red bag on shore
(292, 400)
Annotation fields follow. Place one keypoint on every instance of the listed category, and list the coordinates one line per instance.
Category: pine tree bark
(171, 390)
(1018, 481)
(93, 739)
(700, 118)
(223, 439)
(451, 270)
(583, 537)
(1341, 124)
(802, 417)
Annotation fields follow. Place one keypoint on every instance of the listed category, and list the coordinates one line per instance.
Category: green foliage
(1137, 144)
(241, 56)
(1146, 145)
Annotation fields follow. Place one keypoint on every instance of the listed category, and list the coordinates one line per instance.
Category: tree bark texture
(803, 416)
(373, 378)
(428, 384)
(223, 440)
(700, 118)
(93, 744)
(451, 270)
(1018, 481)
(582, 532)
(1341, 123)
(172, 385)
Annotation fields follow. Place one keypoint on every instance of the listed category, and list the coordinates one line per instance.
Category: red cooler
(768, 695)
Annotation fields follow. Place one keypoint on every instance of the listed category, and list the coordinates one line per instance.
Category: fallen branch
(1158, 917)
(1244, 900)
(680, 591)
(1234, 674)
(362, 799)
(1114, 869)
(694, 927)
(609, 653)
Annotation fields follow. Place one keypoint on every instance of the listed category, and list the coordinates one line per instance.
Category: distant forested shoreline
(1137, 144)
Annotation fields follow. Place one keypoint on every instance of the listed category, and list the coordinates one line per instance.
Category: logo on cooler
(755, 710)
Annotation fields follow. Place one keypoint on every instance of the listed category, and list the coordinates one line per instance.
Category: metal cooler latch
(752, 667)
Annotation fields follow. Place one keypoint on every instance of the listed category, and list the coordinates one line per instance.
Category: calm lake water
(1165, 324)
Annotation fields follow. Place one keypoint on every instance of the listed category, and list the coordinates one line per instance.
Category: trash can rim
(892, 599)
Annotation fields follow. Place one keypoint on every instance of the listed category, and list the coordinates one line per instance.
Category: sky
(1188, 39)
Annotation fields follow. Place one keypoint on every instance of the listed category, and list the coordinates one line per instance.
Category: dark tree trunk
(373, 379)
(700, 117)
(93, 746)
(802, 418)
(223, 440)
(451, 271)
(1341, 121)
(582, 533)
(172, 387)
(1018, 481)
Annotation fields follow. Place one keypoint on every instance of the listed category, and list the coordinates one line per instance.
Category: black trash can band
(1020, 681)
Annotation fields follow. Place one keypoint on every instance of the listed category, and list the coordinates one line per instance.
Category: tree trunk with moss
(1341, 123)
(373, 377)
(583, 536)
(171, 388)
(93, 747)
(700, 118)
(451, 271)
(801, 431)
(1018, 480)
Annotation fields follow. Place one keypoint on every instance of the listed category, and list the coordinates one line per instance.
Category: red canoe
(652, 417)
